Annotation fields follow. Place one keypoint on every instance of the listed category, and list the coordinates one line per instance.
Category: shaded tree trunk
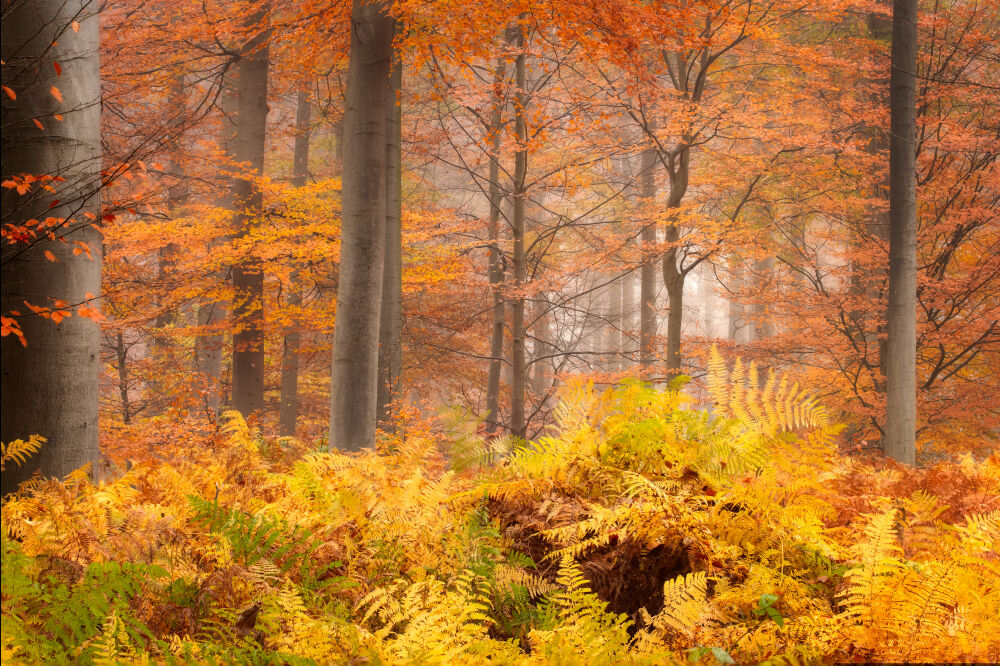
(673, 274)
(50, 387)
(391, 321)
(901, 343)
(354, 382)
(288, 411)
(496, 271)
(208, 345)
(647, 272)
(518, 333)
(248, 275)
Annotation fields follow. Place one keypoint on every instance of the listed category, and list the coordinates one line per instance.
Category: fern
(20, 450)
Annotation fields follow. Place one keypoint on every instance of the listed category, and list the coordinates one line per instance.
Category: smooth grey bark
(390, 344)
(50, 387)
(518, 425)
(248, 275)
(354, 384)
(289, 408)
(647, 272)
(901, 342)
(496, 271)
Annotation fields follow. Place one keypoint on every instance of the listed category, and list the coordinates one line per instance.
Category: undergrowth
(640, 529)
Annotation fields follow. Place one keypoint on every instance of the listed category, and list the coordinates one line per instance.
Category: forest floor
(642, 529)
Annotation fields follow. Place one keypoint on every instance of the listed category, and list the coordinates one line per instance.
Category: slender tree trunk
(496, 270)
(208, 346)
(518, 384)
(647, 272)
(248, 275)
(121, 357)
(628, 319)
(354, 385)
(288, 412)
(763, 272)
(868, 286)
(50, 386)
(673, 276)
(176, 197)
(391, 320)
(674, 282)
(901, 398)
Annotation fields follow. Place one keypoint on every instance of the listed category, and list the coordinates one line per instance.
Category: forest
(524, 332)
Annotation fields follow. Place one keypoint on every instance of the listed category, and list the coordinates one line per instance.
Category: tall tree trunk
(121, 359)
(495, 259)
(901, 349)
(50, 387)
(354, 384)
(288, 412)
(518, 382)
(647, 272)
(208, 346)
(673, 276)
(868, 285)
(248, 275)
(176, 198)
(390, 359)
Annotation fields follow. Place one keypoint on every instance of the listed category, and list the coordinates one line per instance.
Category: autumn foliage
(641, 529)
(639, 387)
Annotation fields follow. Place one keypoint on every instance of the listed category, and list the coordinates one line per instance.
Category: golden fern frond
(981, 531)
(507, 576)
(20, 450)
(685, 604)
(718, 379)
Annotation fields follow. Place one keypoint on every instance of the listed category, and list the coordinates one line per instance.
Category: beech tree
(901, 330)
(354, 385)
(248, 274)
(51, 257)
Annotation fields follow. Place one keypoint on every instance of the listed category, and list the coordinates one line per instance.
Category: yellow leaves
(20, 450)
(685, 605)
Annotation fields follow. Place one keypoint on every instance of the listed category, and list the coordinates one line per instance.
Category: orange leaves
(9, 92)
(9, 326)
(55, 92)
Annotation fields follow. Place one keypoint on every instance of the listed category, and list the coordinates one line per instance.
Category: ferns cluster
(640, 529)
